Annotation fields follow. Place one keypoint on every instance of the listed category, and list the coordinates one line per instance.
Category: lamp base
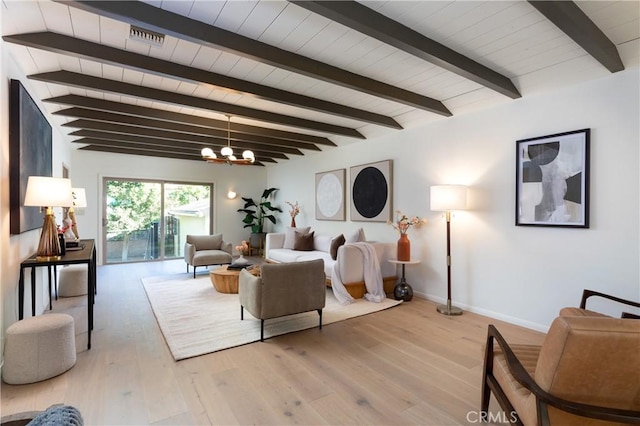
(47, 258)
(448, 309)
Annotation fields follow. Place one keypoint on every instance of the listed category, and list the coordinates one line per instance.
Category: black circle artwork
(370, 192)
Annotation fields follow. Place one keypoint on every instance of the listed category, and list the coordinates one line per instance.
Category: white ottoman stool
(73, 281)
(38, 348)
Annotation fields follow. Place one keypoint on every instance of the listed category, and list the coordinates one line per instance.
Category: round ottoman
(73, 281)
(38, 348)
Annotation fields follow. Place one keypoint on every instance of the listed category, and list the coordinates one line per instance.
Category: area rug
(195, 319)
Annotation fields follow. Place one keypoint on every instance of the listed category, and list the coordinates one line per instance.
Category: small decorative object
(402, 225)
(295, 211)
(243, 249)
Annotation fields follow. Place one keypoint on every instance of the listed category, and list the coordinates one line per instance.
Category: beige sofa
(206, 250)
(350, 260)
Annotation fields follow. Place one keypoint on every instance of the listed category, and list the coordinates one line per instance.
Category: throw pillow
(303, 242)
(356, 237)
(335, 244)
(290, 235)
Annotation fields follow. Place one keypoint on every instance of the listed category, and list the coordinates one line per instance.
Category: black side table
(402, 290)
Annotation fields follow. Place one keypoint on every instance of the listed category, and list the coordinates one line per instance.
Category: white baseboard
(487, 313)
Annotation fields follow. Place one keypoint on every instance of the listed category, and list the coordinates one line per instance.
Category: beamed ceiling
(298, 77)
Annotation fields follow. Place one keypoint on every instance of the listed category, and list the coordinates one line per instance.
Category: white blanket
(372, 277)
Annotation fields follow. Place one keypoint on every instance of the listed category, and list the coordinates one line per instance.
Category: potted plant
(256, 213)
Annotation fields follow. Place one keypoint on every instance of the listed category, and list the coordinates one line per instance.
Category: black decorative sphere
(403, 291)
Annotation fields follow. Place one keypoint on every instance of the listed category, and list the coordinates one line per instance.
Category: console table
(85, 253)
(403, 290)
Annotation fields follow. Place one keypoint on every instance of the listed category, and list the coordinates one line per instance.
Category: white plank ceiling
(509, 37)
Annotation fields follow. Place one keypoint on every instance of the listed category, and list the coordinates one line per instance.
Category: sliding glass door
(148, 220)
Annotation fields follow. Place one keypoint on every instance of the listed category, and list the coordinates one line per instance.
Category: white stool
(73, 281)
(38, 348)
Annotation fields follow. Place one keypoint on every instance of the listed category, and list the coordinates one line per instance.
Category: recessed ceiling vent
(146, 36)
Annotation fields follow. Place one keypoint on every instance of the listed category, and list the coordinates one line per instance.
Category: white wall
(15, 248)
(89, 168)
(520, 274)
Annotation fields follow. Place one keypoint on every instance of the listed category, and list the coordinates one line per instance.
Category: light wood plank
(407, 365)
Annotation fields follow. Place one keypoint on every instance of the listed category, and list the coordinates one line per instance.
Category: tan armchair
(283, 289)
(206, 250)
(587, 372)
(582, 311)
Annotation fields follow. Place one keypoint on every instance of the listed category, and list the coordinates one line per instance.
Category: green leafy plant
(256, 213)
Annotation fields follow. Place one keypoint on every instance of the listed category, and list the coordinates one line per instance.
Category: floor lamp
(47, 193)
(447, 198)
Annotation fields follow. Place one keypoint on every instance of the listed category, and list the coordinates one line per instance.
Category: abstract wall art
(30, 144)
(371, 191)
(552, 180)
(330, 195)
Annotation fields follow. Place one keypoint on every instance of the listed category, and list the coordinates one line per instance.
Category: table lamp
(48, 192)
(447, 198)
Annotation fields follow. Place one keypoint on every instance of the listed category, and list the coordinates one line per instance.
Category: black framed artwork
(330, 195)
(552, 180)
(371, 191)
(30, 145)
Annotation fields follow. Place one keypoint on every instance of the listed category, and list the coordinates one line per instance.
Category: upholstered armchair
(206, 250)
(283, 289)
(582, 311)
(586, 372)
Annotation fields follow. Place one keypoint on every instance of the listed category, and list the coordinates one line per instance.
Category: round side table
(402, 290)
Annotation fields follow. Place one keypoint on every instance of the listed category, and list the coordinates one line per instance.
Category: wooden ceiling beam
(571, 20)
(182, 27)
(72, 79)
(202, 141)
(176, 117)
(131, 151)
(109, 117)
(367, 21)
(178, 150)
(62, 44)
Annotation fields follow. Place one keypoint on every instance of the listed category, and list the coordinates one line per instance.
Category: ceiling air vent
(146, 36)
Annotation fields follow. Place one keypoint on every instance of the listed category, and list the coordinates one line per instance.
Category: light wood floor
(405, 365)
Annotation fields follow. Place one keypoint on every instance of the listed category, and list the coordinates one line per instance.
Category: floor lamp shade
(48, 192)
(447, 198)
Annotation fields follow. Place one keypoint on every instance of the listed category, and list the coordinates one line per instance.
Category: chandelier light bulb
(226, 151)
(208, 153)
(248, 155)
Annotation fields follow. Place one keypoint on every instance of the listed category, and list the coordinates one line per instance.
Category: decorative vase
(293, 222)
(241, 259)
(404, 248)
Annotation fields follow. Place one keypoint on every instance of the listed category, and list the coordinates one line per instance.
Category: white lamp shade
(231, 195)
(208, 153)
(226, 151)
(79, 197)
(45, 191)
(248, 155)
(448, 197)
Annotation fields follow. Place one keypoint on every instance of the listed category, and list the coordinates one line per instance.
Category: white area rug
(195, 319)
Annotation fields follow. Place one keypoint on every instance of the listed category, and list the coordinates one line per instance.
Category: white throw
(372, 277)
